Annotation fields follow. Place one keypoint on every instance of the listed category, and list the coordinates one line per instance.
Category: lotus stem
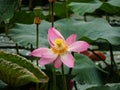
(113, 63)
(52, 13)
(37, 35)
(54, 79)
(66, 8)
(64, 78)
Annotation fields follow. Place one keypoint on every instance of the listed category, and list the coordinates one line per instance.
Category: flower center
(60, 46)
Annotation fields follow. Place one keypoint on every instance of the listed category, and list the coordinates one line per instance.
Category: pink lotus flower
(60, 51)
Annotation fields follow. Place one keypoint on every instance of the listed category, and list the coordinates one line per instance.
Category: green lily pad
(23, 17)
(114, 2)
(93, 30)
(82, 8)
(86, 71)
(110, 9)
(110, 6)
(25, 34)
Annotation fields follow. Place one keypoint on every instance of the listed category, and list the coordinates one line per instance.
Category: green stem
(107, 18)
(113, 63)
(69, 79)
(54, 79)
(31, 4)
(85, 19)
(70, 71)
(37, 35)
(37, 44)
(6, 28)
(17, 48)
(64, 78)
(37, 86)
(31, 49)
(37, 39)
(52, 13)
(19, 5)
(66, 8)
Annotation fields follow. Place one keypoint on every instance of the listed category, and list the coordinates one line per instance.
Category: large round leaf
(94, 30)
(23, 17)
(110, 6)
(58, 11)
(17, 71)
(114, 2)
(82, 8)
(24, 34)
(86, 70)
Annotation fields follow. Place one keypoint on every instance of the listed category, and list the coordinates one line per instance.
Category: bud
(96, 56)
(37, 20)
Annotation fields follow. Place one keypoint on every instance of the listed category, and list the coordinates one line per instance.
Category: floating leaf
(114, 2)
(90, 30)
(110, 6)
(86, 70)
(23, 17)
(25, 34)
(17, 71)
(58, 11)
(82, 8)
